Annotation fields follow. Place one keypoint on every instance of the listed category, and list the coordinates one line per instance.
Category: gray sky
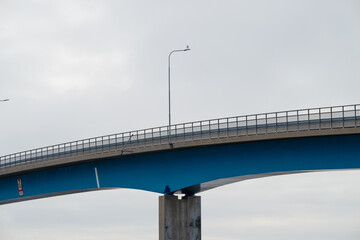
(79, 69)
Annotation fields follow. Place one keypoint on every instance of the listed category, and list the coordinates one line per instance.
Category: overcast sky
(79, 69)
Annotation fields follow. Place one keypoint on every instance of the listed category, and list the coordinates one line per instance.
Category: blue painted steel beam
(187, 169)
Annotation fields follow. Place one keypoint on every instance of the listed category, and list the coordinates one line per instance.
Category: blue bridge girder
(196, 160)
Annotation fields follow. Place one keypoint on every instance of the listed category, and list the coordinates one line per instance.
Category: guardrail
(347, 116)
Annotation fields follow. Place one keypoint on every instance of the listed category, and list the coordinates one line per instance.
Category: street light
(169, 129)
(4, 100)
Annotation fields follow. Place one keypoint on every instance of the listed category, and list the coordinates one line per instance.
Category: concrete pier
(179, 219)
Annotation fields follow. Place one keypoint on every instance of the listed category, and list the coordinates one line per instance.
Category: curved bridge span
(189, 157)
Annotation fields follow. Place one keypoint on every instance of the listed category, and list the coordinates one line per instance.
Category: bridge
(187, 159)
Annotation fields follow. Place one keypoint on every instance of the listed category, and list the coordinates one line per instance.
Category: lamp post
(4, 100)
(169, 129)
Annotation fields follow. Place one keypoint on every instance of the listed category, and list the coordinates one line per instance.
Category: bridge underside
(224, 181)
(189, 170)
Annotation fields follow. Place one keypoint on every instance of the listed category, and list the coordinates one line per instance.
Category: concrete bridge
(198, 156)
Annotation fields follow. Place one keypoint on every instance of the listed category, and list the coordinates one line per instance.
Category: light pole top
(180, 50)
(4, 100)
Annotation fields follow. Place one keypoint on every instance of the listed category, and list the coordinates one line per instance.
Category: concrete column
(179, 219)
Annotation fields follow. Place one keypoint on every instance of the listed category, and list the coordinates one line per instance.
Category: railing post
(209, 129)
(246, 125)
(137, 138)
(184, 129)
(355, 106)
(256, 124)
(176, 133)
(266, 123)
(160, 134)
(343, 117)
(297, 119)
(227, 127)
(237, 126)
(192, 131)
(83, 147)
(152, 136)
(102, 144)
(308, 120)
(116, 141)
(287, 121)
(123, 138)
(331, 117)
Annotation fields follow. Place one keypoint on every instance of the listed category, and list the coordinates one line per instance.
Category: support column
(179, 219)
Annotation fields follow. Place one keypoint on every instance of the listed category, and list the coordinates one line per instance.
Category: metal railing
(347, 116)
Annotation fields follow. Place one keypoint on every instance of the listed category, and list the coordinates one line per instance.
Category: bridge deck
(287, 124)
